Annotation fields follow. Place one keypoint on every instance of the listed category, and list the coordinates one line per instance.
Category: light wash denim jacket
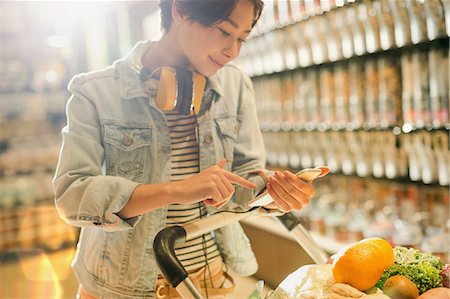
(114, 140)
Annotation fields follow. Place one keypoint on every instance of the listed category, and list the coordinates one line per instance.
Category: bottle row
(421, 156)
(45, 75)
(406, 15)
(29, 107)
(26, 190)
(290, 37)
(348, 209)
(34, 227)
(375, 92)
(25, 155)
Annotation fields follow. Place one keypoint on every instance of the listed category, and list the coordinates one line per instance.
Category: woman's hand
(289, 192)
(213, 186)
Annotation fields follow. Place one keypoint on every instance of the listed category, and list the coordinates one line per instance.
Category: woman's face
(208, 49)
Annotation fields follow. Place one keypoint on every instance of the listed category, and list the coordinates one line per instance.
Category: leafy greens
(422, 268)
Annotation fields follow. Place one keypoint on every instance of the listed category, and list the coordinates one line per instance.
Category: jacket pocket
(126, 148)
(227, 132)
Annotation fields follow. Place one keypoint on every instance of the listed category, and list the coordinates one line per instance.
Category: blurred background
(361, 86)
(44, 44)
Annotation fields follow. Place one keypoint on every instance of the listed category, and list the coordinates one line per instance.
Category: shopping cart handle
(289, 220)
(166, 239)
(164, 248)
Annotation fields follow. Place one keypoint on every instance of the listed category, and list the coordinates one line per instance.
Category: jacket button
(127, 140)
(208, 139)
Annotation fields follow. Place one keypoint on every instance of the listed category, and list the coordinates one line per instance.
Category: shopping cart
(174, 272)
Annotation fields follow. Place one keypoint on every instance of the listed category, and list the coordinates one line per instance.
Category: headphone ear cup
(198, 82)
(166, 95)
(185, 89)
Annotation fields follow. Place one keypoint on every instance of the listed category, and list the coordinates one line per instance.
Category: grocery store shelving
(363, 87)
(43, 46)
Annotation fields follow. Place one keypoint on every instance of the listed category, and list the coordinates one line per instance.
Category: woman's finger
(221, 183)
(286, 185)
(221, 204)
(300, 190)
(234, 178)
(281, 197)
(227, 184)
(296, 199)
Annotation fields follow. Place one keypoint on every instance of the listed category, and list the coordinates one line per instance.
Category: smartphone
(307, 174)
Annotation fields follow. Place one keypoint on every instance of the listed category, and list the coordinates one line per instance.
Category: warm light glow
(43, 281)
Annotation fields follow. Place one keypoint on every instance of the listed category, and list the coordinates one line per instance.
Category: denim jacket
(114, 140)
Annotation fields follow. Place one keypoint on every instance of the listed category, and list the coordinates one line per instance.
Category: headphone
(178, 89)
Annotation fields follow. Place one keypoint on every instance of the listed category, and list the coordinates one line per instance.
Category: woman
(129, 166)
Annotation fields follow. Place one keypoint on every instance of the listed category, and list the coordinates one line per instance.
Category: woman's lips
(219, 65)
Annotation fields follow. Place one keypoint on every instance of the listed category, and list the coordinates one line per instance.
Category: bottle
(389, 92)
(344, 27)
(341, 98)
(386, 23)
(304, 43)
(440, 150)
(371, 26)
(408, 111)
(290, 47)
(303, 89)
(357, 93)
(402, 28)
(363, 158)
(283, 12)
(447, 16)
(421, 95)
(417, 21)
(438, 85)
(295, 11)
(371, 99)
(259, 55)
(287, 99)
(356, 17)
(327, 96)
(317, 26)
(435, 19)
(333, 38)
(313, 96)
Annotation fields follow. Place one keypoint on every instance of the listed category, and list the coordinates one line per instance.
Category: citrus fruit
(361, 264)
(385, 247)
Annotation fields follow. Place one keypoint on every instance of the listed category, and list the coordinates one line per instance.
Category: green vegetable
(422, 268)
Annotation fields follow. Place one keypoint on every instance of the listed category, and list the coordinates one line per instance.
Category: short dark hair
(206, 12)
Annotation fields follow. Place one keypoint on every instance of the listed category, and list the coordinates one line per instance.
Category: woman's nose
(232, 49)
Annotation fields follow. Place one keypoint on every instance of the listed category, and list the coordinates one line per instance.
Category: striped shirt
(194, 253)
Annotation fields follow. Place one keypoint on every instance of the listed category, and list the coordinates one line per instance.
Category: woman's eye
(224, 33)
(241, 40)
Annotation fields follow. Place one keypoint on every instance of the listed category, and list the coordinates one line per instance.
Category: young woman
(129, 166)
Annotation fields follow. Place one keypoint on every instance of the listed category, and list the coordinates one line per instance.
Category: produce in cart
(422, 268)
(361, 264)
(370, 269)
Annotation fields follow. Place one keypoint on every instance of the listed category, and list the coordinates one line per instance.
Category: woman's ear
(177, 18)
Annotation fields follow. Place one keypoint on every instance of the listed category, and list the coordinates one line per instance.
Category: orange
(385, 247)
(361, 264)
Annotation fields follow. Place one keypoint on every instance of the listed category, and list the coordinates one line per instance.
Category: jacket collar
(128, 70)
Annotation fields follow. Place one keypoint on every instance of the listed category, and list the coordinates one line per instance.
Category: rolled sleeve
(84, 195)
(95, 201)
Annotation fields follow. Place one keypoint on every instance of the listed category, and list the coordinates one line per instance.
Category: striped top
(185, 163)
